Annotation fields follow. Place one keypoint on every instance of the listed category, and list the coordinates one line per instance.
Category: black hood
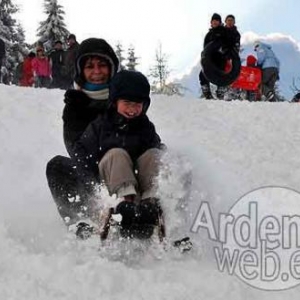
(132, 86)
(95, 47)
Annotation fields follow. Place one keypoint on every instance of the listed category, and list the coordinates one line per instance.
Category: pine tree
(131, 59)
(119, 50)
(13, 36)
(53, 28)
(160, 71)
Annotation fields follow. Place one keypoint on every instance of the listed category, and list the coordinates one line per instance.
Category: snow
(231, 148)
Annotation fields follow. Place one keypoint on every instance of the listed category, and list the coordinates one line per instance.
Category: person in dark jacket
(57, 57)
(233, 34)
(216, 32)
(70, 57)
(120, 142)
(95, 65)
(2, 55)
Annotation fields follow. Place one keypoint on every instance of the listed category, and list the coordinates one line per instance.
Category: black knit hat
(216, 17)
(132, 86)
(94, 47)
(72, 36)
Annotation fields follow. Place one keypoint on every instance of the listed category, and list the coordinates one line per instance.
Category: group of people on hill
(50, 70)
(229, 36)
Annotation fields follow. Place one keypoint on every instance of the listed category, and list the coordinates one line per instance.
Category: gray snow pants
(124, 177)
(269, 78)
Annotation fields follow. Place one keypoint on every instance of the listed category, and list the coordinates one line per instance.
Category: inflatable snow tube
(214, 74)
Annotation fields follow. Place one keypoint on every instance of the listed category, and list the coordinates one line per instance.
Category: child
(123, 149)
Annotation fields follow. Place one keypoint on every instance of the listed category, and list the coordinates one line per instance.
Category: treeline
(54, 29)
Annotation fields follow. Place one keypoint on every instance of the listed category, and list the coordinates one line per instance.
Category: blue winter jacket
(266, 57)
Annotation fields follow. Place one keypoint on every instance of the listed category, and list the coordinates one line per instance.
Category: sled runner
(135, 231)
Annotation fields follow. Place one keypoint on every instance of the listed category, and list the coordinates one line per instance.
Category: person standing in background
(26, 76)
(269, 64)
(2, 55)
(70, 58)
(41, 69)
(57, 65)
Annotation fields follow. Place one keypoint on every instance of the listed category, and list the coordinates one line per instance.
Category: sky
(179, 25)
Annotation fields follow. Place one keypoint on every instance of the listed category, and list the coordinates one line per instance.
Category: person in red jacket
(27, 78)
(251, 61)
(41, 68)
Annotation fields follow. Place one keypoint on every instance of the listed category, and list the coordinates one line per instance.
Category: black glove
(77, 98)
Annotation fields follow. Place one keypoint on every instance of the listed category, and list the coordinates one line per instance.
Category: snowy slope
(285, 47)
(232, 147)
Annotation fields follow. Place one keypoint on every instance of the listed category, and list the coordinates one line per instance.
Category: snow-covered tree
(53, 28)
(160, 71)
(7, 22)
(132, 59)
(13, 36)
(119, 51)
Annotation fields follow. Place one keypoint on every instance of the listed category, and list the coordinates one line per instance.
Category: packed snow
(229, 147)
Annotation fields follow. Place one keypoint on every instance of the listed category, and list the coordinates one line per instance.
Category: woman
(95, 65)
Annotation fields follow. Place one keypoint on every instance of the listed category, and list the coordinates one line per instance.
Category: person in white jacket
(269, 64)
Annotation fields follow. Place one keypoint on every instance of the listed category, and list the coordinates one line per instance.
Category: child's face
(230, 22)
(96, 71)
(129, 109)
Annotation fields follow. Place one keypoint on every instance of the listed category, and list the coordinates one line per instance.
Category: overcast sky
(180, 25)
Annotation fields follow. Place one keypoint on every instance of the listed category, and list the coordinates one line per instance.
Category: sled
(248, 80)
(215, 75)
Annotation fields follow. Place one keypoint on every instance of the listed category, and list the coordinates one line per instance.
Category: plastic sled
(248, 80)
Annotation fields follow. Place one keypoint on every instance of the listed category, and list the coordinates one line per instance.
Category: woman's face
(96, 70)
(40, 52)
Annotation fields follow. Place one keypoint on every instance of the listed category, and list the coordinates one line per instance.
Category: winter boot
(129, 212)
(271, 96)
(206, 92)
(220, 92)
(149, 212)
(84, 230)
